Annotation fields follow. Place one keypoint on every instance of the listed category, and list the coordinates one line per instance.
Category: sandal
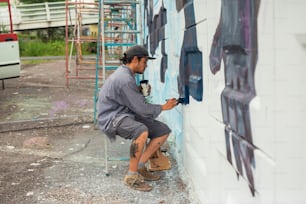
(137, 182)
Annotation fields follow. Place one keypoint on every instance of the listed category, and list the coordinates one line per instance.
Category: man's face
(141, 65)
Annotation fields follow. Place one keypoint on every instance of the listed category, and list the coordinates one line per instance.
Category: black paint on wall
(190, 82)
(235, 43)
(156, 25)
(190, 79)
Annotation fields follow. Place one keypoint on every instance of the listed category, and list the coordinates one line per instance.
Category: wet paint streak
(58, 106)
(70, 103)
(81, 103)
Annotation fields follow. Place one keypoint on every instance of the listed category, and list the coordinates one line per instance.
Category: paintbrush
(179, 100)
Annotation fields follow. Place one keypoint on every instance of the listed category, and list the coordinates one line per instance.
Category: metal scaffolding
(80, 38)
(119, 27)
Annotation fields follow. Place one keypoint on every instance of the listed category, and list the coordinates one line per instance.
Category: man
(123, 111)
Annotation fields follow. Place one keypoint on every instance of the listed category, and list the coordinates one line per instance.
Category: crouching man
(123, 111)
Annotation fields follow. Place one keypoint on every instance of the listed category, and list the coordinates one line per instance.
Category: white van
(9, 50)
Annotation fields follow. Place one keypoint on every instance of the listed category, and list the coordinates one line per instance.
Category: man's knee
(142, 138)
(163, 137)
(139, 142)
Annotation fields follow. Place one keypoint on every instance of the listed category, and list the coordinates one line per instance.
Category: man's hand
(171, 103)
(148, 90)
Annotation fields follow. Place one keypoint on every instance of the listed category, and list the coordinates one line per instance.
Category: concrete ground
(51, 152)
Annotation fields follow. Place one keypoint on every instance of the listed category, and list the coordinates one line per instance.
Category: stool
(107, 158)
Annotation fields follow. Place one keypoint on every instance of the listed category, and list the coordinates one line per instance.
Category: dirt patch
(51, 152)
(41, 92)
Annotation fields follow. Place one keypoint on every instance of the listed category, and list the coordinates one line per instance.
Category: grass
(32, 46)
(38, 48)
(35, 61)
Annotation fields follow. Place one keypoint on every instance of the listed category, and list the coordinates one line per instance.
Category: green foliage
(31, 45)
(38, 48)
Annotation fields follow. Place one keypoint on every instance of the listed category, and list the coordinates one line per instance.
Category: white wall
(278, 112)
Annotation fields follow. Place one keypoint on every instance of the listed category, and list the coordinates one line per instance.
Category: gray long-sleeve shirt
(120, 97)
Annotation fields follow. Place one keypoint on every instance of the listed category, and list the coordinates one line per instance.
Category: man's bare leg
(152, 147)
(133, 178)
(136, 151)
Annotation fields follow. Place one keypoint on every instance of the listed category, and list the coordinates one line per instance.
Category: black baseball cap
(138, 51)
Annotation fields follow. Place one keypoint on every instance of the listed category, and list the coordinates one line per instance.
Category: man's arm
(135, 101)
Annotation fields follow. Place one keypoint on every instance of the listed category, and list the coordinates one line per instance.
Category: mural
(235, 42)
(156, 25)
(190, 82)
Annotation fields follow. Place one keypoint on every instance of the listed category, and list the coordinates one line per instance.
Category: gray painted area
(235, 43)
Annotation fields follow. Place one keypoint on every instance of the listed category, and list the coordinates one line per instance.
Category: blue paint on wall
(163, 44)
(190, 79)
